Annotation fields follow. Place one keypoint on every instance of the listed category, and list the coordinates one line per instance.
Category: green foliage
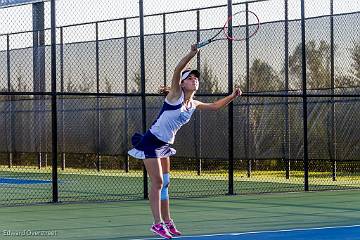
(137, 80)
(263, 77)
(108, 85)
(20, 87)
(209, 82)
(318, 60)
(264, 115)
(346, 81)
(356, 58)
(318, 64)
(70, 87)
(86, 85)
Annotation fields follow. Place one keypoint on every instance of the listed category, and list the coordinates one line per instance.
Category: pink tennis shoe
(172, 228)
(161, 230)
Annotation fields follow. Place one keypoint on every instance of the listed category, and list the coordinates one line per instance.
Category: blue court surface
(23, 181)
(323, 233)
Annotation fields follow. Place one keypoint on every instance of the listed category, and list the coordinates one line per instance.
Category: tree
(86, 84)
(21, 87)
(108, 85)
(345, 80)
(318, 65)
(137, 81)
(318, 60)
(209, 81)
(355, 55)
(263, 77)
(70, 87)
(263, 115)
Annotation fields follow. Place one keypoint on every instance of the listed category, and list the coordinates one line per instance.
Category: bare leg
(153, 167)
(165, 207)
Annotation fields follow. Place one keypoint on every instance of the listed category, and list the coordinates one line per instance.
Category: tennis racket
(238, 21)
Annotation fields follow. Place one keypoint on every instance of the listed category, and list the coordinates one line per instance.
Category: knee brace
(165, 188)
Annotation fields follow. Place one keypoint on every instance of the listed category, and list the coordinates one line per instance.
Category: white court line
(258, 232)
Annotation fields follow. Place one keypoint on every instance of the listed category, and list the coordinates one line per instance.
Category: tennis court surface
(306, 215)
(335, 232)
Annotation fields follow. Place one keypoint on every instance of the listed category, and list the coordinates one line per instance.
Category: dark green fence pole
(143, 97)
(287, 110)
(63, 156)
(231, 105)
(39, 78)
(53, 104)
(126, 156)
(98, 130)
(197, 119)
(247, 131)
(164, 49)
(332, 73)
(304, 96)
(9, 98)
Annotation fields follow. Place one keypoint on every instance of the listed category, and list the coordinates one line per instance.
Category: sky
(18, 18)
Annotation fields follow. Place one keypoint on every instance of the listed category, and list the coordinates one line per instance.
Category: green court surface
(27, 186)
(196, 216)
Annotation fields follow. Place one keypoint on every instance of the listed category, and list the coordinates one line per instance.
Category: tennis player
(154, 147)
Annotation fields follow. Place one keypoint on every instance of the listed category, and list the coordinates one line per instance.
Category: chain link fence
(258, 144)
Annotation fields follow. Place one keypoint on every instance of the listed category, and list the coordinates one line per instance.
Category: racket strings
(244, 25)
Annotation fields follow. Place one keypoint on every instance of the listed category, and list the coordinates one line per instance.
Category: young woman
(154, 146)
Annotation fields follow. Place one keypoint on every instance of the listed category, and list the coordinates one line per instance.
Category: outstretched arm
(219, 103)
(175, 89)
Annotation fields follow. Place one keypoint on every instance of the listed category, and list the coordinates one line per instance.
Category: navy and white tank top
(171, 118)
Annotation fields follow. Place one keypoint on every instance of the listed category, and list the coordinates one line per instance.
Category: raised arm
(175, 89)
(219, 103)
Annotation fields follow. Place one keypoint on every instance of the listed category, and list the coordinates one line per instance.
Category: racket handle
(203, 43)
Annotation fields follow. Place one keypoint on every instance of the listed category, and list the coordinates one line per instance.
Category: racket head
(238, 21)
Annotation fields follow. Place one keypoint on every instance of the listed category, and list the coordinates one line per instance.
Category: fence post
(197, 125)
(231, 105)
(63, 158)
(39, 78)
(126, 156)
(247, 133)
(9, 99)
(53, 104)
(164, 48)
(332, 73)
(38, 110)
(304, 96)
(98, 130)
(142, 76)
(287, 110)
